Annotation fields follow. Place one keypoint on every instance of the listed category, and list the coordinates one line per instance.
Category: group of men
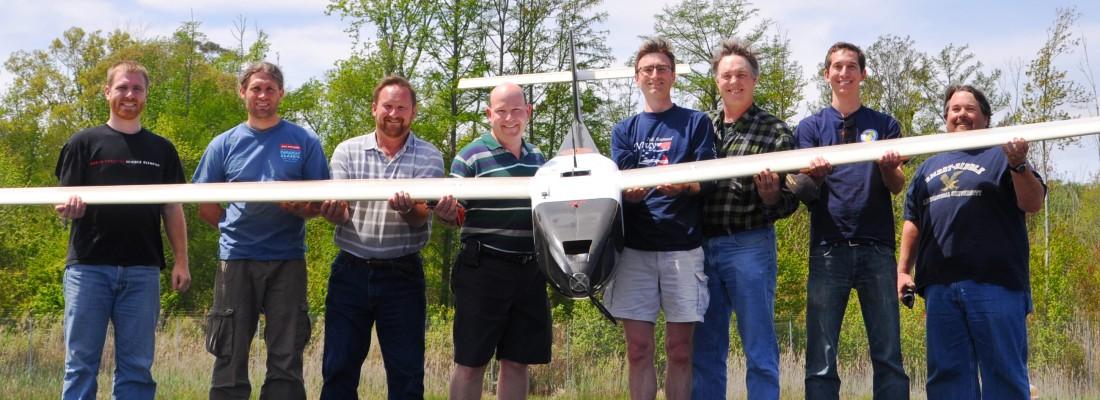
(697, 251)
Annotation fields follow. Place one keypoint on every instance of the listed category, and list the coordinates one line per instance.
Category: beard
(394, 128)
(127, 113)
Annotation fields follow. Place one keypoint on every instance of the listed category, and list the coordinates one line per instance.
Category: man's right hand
(72, 209)
(819, 169)
(335, 211)
(634, 195)
(904, 280)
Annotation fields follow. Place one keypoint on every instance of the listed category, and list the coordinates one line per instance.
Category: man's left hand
(675, 189)
(181, 276)
(767, 186)
(889, 161)
(1016, 151)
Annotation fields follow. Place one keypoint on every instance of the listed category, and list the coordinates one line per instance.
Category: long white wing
(518, 188)
(853, 153)
(554, 77)
(373, 189)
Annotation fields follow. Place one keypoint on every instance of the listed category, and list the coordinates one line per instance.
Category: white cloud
(236, 6)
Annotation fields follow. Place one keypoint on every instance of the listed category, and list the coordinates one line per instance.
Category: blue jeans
(389, 298)
(741, 271)
(976, 328)
(128, 297)
(835, 269)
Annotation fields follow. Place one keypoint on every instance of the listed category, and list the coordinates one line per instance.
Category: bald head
(508, 113)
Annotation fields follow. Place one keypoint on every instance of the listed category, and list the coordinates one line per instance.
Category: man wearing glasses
(852, 234)
(662, 264)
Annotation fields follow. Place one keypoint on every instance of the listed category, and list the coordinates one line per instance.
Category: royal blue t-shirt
(964, 204)
(853, 202)
(285, 152)
(662, 223)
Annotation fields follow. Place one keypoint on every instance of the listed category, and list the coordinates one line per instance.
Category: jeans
(242, 290)
(976, 328)
(128, 297)
(390, 298)
(741, 272)
(835, 269)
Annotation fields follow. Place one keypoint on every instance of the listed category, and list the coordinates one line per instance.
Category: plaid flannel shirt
(734, 205)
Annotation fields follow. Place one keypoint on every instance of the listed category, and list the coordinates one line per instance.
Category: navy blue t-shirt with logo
(964, 204)
(854, 203)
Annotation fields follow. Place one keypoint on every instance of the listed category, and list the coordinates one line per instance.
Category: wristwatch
(1021, 167)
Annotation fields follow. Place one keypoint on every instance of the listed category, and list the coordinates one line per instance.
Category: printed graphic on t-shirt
(869, 135)
(98, 163)
(654, 151)
(291, 153)
(945, 182)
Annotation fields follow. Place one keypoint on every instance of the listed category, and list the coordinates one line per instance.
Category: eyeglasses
(659, 68)
(847, 129)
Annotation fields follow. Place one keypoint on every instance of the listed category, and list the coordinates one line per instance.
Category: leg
(997, 318)
(89, 298)
(287, 331)
(135, 317)
(400, 325)
(348, 321)
(678, 350)
(512, 382)
(827, 290)
(876, 285)
(952, 365)
(755, 269)
(639, 354)
(711, 340)
(466, 382)
(230, 327)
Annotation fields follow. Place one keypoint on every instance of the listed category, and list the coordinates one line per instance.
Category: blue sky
(307, 42)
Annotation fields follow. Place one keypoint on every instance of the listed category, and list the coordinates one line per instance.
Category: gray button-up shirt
(374, 230)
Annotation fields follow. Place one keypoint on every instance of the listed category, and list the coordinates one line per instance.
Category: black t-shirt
(123, 234)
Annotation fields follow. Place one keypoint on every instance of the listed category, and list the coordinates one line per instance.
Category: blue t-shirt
(964, 204)
(662, 223)
(853, 202)
(285, 152)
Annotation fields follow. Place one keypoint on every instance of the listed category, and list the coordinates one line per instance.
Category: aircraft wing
(554, 77)
(794, 160)
(366, 189)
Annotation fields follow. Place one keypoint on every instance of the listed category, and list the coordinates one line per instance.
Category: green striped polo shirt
(501, 224)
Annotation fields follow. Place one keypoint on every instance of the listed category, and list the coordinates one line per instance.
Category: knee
(639, 351)
(679, 352)
(465, 374)
(512, 368)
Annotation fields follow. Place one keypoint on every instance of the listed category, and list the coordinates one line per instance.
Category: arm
(910, 235)
(893, 177)
(211, 213)
(1029, 190)
(175, 227)
(779, 201)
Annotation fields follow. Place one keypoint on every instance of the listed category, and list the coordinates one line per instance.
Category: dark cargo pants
(243, 289)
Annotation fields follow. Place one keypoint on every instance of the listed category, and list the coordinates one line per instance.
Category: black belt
(403, 261)
(515, 258)
(850, 242)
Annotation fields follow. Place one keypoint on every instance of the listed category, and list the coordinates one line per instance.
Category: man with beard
(112, 271)
(262, 245)
(500, 293)
(377, 279)
(965, 231)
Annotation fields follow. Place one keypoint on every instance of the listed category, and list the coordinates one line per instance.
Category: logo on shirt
(950, 182)
(654, 151)
(291, 153)
(869, 135)
(949, 177)
(96, 163)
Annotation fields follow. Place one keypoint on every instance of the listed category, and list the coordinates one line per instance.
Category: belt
(396, 262)
(515, 258)
(850, 242)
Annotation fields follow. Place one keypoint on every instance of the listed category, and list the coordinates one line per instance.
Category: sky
(307, 42)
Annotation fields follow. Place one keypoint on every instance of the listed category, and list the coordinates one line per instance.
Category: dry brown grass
(32, 358)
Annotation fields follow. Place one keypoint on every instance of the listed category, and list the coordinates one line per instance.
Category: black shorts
(500, 307)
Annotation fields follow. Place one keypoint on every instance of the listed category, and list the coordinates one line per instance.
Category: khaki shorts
(647, 282)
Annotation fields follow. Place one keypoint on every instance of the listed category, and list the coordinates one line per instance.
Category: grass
(32, 359)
